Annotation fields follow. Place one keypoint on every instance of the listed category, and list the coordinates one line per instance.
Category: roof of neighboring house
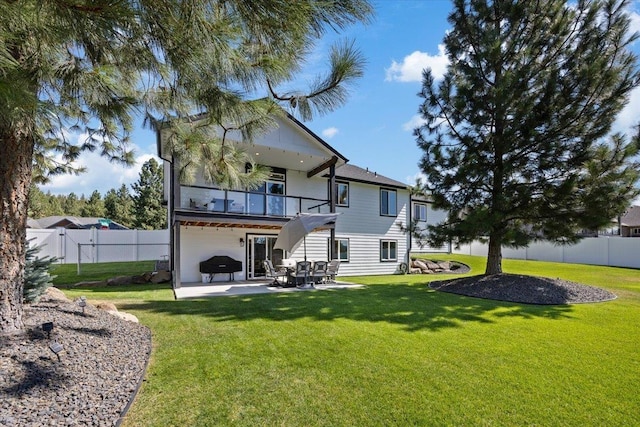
(631, 218)
(76, 222)
(32, 223)
(354, 173)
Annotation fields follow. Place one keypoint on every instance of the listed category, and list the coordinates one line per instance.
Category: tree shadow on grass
(415, 307)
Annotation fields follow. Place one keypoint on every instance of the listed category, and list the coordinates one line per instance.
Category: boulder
(119, 281)
(160, 276)
(445, 265)
(433, 266)
(414, 270)
(55, 294)
(106, 306)
(91, 284)
(125, 316)
(421, 265)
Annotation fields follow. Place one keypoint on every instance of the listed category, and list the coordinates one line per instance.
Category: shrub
(36, 274)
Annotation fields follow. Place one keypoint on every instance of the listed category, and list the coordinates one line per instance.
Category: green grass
(393, 353)
(67, 274)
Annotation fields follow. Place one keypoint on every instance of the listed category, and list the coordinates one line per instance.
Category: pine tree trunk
(494, 256)
(15, 178)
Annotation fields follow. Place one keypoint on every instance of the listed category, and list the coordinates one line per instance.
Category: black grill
(220, 264)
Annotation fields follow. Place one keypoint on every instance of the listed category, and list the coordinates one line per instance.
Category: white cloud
(635, 22)
(330, 132)
(410, 69)
(414, 122)
(101, 174)
(412, 179)
(630, 114)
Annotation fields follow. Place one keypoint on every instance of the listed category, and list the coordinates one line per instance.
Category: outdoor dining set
(301, 273)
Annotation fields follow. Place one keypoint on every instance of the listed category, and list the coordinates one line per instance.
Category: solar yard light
(47, 327)
(82, 302)
(56, 348)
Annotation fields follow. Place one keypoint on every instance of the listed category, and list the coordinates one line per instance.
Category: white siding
(363, 225)
(434, 216)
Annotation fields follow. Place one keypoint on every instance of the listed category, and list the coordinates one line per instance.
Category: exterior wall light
(242, 242)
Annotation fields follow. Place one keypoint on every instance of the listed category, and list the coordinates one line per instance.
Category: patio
(249, 287)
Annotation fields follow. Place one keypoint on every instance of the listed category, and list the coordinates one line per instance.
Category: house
(424, 214)
(74, 222)
(630, 222)
(307, 175)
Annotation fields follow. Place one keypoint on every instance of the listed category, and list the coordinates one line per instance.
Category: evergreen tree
(54, 205)
(515, 141)
(87, 66)
(119, 206)
(38, 203)
(94, 206)
(149, 214)
(36, 274)
(71, 205)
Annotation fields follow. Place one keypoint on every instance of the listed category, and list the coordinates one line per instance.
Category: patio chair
(301, 274)
(332, 270)
(273, 273)
(319, 271)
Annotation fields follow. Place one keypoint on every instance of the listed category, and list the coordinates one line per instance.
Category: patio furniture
(301, 274)
(319, 271)
(332, 270)
(273, 273)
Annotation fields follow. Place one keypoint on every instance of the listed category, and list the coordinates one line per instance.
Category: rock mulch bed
(102, 363)
(524, 289)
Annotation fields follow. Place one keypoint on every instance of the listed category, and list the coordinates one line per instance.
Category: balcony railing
(214, 200)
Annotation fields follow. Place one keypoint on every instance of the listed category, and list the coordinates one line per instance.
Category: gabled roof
(76, 222)
(631, 218)
(357, 174)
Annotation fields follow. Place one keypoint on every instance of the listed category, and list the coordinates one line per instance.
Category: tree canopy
(88, 67)
(517, 136)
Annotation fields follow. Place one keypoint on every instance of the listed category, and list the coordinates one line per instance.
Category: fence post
(78, 259)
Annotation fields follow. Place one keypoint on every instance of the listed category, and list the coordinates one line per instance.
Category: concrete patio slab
(249, 287)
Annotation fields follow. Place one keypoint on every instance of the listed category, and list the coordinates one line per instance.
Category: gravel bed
(101, 365)
(524, 289)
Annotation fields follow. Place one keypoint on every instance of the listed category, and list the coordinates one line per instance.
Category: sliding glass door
(261, 248)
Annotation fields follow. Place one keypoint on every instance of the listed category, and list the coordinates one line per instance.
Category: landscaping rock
(124, 316)
(91, 284)
(160, 276)
(119, 281)
(55, 294)
(106, 306)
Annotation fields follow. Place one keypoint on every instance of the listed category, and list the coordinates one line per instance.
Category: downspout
(332, 208)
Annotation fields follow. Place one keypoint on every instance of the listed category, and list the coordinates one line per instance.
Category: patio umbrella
(296, 230)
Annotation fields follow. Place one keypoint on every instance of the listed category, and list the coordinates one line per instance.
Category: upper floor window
(420, 212)
(388, 250)
(388, 205)
(342, 194)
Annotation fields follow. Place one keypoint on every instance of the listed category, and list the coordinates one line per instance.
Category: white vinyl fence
(93, 246)
(611, 251)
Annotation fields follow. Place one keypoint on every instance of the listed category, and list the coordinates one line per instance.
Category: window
(635, 231)
(341, 249)
(388, 250)
(342, 194)
(269, 198)
(420, 212)
(388, 202)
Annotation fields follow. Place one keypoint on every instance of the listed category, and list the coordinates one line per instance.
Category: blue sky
(374, 129)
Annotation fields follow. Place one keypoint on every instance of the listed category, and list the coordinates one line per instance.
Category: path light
(47, 327)
(82, 302)
(56, 347)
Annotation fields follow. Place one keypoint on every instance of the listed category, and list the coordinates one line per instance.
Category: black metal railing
(250, 203)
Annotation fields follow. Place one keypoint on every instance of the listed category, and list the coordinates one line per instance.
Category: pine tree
(149, 214)
(71, 205)
(119, 206)
(88, 67)
(94, 206)
(515, 141)
(36, 274)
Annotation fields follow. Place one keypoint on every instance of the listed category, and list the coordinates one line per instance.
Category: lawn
(67, 274)
(393, 353)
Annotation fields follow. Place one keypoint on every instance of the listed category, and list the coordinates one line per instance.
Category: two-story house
(307, 175)
(423, 214)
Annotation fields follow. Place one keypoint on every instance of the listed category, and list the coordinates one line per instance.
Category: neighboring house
(423, 213)
(206, 221)
(74, 222)
(630, 222)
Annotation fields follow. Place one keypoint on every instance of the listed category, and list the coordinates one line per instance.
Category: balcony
(216, 201)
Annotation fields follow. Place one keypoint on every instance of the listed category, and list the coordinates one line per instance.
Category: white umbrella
(298, 227)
